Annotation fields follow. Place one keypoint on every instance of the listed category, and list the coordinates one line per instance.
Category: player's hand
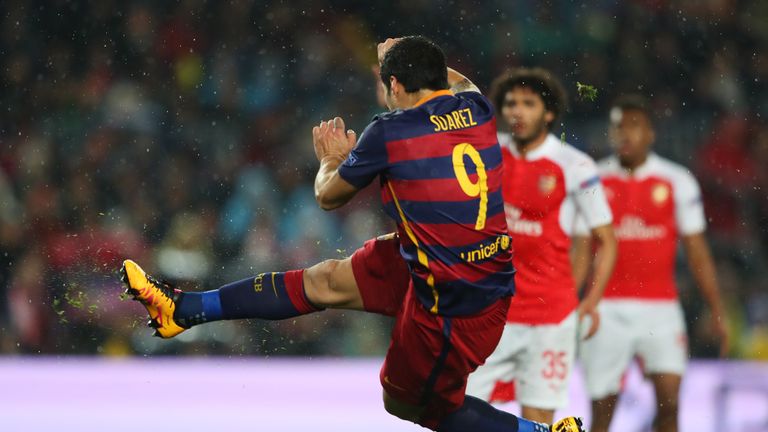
(331, 140)
(382, 48)
(588, 307)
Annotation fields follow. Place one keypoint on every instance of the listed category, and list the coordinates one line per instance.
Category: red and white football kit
(543, 192)
(640, 313)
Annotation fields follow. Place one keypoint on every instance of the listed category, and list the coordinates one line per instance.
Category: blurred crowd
(178, 134)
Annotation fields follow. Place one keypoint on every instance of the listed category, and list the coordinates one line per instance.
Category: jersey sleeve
(689, 209)
(580, 228)
(591, 205)
(482, 107)
(473, 95)
(367, 159)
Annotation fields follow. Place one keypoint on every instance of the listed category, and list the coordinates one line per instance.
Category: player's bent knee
(318, 283)
(323, 287)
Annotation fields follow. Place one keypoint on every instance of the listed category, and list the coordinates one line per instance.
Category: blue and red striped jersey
(439, 165)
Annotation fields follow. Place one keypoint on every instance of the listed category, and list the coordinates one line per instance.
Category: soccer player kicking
(446, 276)
(654, 201)
(546, 182)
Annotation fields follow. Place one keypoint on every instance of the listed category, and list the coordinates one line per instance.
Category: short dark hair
(540, 80)
(417, 63)
(634, 101)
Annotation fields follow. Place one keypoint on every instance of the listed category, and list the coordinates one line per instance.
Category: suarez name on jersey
(439, 165)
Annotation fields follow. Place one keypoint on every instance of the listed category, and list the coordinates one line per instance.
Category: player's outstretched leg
(476, 414)
(271, 296)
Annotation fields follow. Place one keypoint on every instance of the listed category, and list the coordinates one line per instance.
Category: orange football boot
(158, 297)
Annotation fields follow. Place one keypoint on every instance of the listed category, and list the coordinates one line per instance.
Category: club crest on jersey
(660, 194)
(547, 183)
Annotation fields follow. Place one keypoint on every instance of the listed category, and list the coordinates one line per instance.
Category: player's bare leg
(538, 414)
(602, 413)
(667, 388)
(331, 284)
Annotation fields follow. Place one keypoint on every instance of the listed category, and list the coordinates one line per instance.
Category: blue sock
(478, 415)
(194, 308)
(271, 296)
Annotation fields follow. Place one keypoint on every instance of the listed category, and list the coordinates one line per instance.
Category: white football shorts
(651, 330)
(537, 358)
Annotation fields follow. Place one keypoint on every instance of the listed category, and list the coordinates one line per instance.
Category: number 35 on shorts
(555, 365)
(472, 189)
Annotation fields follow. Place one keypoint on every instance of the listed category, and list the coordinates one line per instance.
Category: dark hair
(633, 101)
(539, 80)
(417, 63)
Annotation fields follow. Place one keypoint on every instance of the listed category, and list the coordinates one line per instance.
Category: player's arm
(691, 225)
(594, 219)
(581, 258)
(703, 269)
(459, 83)
(332, 146)
(604, 259)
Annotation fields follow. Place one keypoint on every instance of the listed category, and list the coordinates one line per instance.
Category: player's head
(412, 64)
(631, 130)
(528, 101)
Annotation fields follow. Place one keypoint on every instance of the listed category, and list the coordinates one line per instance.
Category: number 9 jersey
(440, 169)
